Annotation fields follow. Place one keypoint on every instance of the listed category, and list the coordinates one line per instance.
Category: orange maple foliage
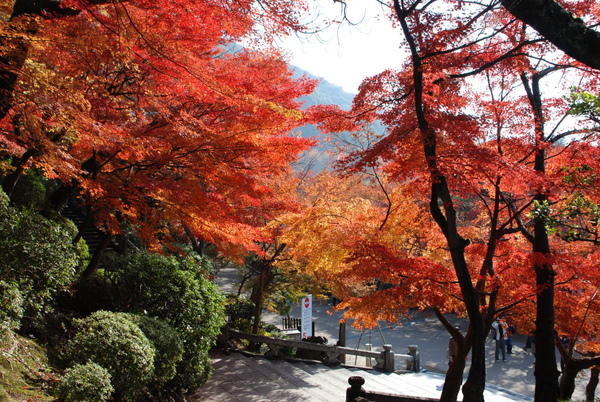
(149, 113)
(472, 115)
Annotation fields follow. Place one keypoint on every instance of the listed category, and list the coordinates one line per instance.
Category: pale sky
(344, 54)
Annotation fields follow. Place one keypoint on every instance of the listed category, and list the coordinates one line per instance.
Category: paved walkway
(515, 375)
(247, 378)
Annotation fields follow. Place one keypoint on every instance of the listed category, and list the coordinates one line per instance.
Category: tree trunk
(445, 217)
(14, 57)
(454, 378)
(590, 389)
(87, 222)
(10, 181)
(457, 362)
(567, 380)
(571, 368)
(546, 373)
(92, 267)
(475, 384)
(257, 297)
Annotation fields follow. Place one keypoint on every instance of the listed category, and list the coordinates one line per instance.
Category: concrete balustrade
(384, 361)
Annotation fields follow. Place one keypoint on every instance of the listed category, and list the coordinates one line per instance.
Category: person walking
(501, 336)
(511, 330)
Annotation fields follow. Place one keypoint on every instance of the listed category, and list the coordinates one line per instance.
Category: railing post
(413, 350)
(332, 357)
(368, 360)
(342, 341)
(274, 350)
(223, 338)
(388, 359)
(355, 390)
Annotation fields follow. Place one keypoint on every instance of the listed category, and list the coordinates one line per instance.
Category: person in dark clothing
(500, 337)
(509, 342)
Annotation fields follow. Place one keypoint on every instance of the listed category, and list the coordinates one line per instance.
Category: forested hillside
(326, 93)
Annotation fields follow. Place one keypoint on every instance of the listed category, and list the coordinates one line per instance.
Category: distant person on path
(511, 330)
(501, 336)
(530, 343)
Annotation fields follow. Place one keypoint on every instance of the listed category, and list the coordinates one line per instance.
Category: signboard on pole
(306, 316)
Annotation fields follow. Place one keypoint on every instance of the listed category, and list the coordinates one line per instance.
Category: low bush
(177, 292)
(85, 382)
(240, 311)
(30, 190)
(167, 345)
(116, 343)
(11, 307)
(37, 256)
(313, 354)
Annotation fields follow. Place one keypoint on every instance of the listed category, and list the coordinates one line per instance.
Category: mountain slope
(326, 93)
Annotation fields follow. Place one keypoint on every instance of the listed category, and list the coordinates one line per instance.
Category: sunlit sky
(345, 54)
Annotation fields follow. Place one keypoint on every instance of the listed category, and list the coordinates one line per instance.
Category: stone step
(238, 377)
(92, 235)
(243, 378)
(327, 377)
(374, 380)
(280, 386)
(319, 389)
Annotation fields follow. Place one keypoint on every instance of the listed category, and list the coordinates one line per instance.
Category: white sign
(306, 316)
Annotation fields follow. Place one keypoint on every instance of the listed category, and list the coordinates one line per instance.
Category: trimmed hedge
(177, 292)
(85, 382)
(116, 343)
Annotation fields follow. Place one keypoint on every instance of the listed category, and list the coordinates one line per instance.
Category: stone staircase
(92, 235)
(241, 377)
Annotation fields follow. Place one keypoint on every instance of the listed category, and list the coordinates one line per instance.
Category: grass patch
(25, 374)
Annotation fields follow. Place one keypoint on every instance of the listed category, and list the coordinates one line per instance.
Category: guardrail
(385, 360)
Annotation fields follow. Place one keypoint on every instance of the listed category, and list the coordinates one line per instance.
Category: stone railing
(385, 360)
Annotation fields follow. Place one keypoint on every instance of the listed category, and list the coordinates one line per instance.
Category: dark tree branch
(560, 27)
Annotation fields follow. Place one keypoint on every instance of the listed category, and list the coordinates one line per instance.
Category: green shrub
(37, 255)
(30, 190)
(85, 382)
(11, 307)
(167, 344)
(175, 291)
(193, 371)
(267, 329)
(312, 354)
(240, 311)
(117, 344)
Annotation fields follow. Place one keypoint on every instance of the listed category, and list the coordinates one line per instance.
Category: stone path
(237, 377)
(514, 377)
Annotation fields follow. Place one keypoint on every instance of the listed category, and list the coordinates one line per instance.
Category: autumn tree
(468, 114)
(268, 273)
(572, 219)
(149, 118)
